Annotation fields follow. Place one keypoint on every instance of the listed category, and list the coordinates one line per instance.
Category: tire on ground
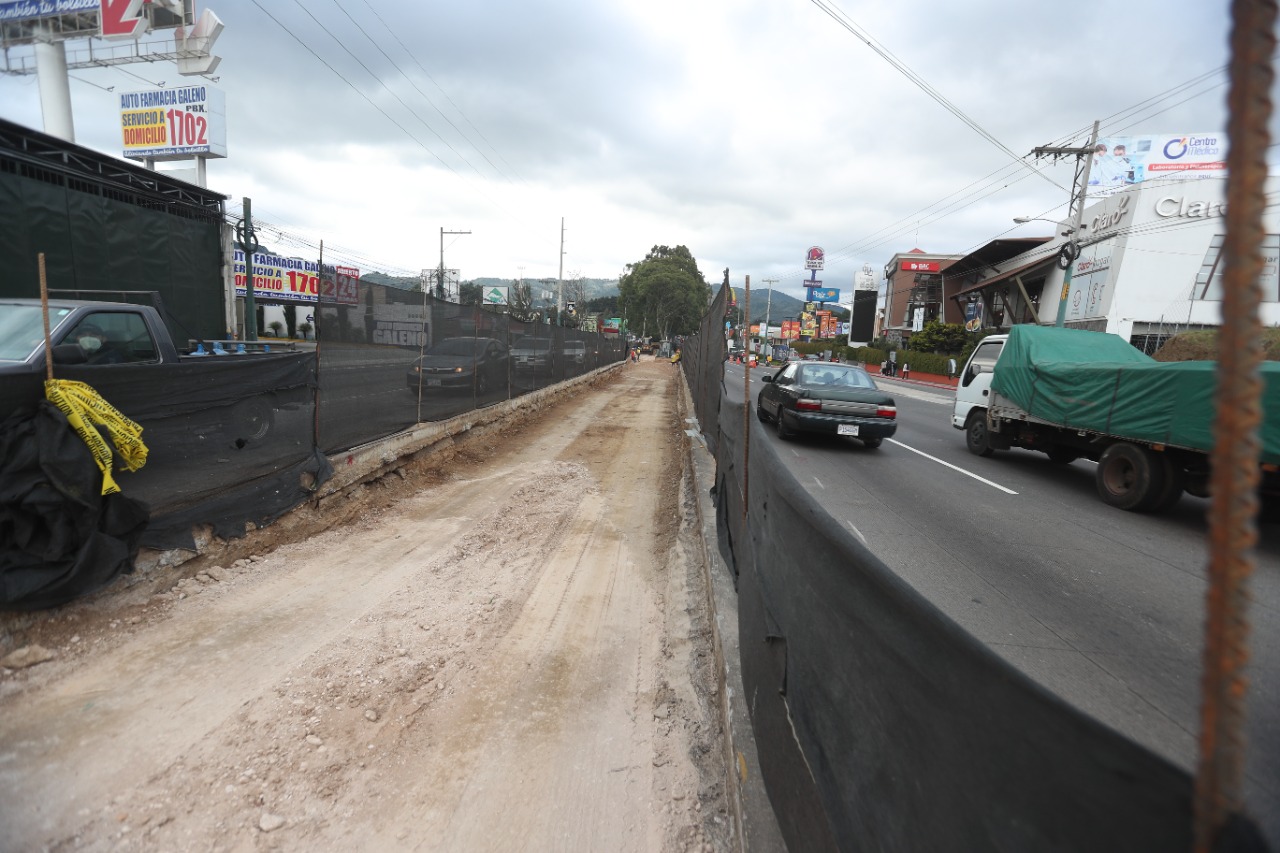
(1132, 478)
(976, 437)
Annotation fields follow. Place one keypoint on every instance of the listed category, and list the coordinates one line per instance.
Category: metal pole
(560, 280)
(746, 402)
(1077, 221)
(1237, 448)
(54, 85)
(249, 244)
(768, 307)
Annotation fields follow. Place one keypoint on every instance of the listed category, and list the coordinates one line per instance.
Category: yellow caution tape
(86, 411)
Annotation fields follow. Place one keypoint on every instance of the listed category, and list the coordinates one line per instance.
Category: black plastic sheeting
(882, 725)
(98, 240)
(229, 439)
(60, 537)
(702, 359)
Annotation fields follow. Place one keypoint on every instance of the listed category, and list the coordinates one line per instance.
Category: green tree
(939, 337)
(664, 294)
(469, 293)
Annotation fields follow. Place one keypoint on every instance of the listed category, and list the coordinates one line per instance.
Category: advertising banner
(1121, 161)
(612, 326)
(296, 280)
(496, 296)
(26, 10)
(973, 315)
(826, 294)
(814, 258)
(920, 266)
(174, 124)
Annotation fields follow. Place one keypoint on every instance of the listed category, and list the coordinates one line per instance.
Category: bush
(276, 327)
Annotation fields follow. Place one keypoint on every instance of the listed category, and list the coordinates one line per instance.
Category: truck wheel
(1131, 477)
(976, 437)
(1060, 455)
(253, 418)
(1174, 484)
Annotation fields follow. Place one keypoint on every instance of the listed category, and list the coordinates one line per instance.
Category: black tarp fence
(880, 723)
(390, 358)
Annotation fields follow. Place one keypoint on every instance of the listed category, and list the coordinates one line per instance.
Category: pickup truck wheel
(1131, 478)
(1060, 455)
(253, 418)
(976, 437)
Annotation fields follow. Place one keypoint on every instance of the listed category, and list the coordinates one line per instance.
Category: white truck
(1074, 394)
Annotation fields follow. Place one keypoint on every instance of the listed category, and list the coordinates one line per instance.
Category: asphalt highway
(1104, 607)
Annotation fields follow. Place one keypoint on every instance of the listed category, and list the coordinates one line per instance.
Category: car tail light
(805, 405)
(887, 412)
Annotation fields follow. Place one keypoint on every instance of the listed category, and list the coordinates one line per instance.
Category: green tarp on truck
(1099, 382)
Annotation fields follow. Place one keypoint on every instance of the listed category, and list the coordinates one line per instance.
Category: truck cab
(974, 389)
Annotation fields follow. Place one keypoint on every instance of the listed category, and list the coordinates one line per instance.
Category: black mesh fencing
(881, 724)
(390, 358)
(702, 358)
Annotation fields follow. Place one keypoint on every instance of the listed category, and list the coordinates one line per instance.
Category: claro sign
(1176, 207)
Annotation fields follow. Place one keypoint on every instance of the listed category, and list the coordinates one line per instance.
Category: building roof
(1008, 274)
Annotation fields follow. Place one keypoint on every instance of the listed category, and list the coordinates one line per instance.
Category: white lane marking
(819, 482)
(954, 467)
(856, 532)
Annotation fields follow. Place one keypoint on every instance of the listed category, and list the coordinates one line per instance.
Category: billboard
(825, 294)
(173, 124)
(1121, 161)
(920, 266)
(863, 320)
(814, 258)
(29, 10)
(296, 280)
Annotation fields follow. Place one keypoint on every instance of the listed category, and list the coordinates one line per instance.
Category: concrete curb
(756, 826)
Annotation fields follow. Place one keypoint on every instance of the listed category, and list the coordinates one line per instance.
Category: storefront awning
(1034, 266)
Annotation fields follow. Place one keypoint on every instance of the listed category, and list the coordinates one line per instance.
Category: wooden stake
(44, 308)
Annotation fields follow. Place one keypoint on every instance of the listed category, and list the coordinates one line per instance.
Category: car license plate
(433, 383)
(846, 429)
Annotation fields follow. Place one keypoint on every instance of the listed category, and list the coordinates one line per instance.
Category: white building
(1149, 266)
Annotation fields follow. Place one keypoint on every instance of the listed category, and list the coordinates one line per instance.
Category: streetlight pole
(768, 307)
(560, 280)
(440, 275)
(1071, 250)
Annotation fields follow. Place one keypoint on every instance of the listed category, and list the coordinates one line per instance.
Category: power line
(838, 15)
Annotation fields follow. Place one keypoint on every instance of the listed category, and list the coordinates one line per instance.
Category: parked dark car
(478, 364)
(826, 397)
(533, 354)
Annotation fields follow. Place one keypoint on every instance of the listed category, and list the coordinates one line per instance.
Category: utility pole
(249, 244)
(560, 280)
(1080, 189)
(440, 276)
(768, 307)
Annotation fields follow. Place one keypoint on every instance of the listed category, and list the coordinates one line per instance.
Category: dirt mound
(1203, 346)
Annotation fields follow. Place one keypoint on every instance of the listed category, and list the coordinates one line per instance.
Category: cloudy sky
(746, 130)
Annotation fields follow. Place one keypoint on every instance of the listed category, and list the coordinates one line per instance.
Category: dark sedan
(478, 364)
(827, 397)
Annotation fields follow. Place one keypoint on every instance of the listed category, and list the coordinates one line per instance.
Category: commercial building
(1149, 266)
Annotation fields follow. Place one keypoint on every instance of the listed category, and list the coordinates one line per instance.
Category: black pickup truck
(128, 348)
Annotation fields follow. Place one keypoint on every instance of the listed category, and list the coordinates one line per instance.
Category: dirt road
(509, 651)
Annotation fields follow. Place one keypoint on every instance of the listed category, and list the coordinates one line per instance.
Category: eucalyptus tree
(664, 293)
